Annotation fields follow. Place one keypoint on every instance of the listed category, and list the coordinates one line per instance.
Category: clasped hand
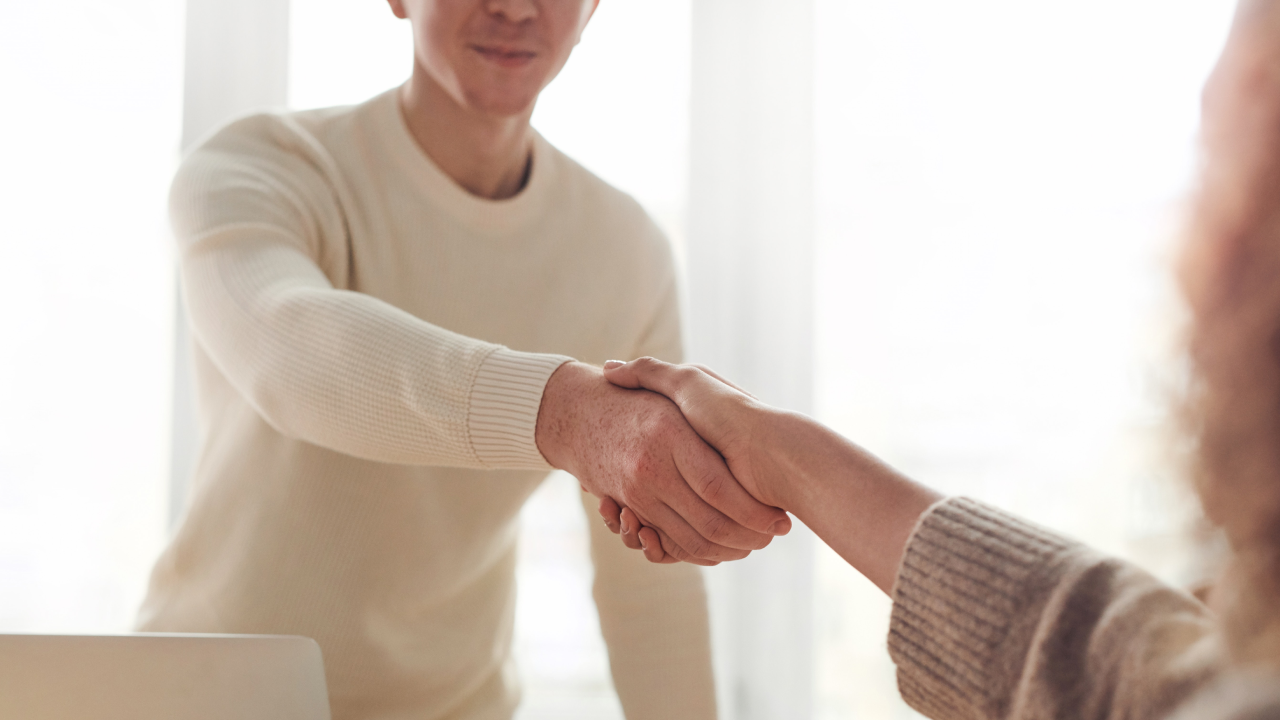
(669, 489)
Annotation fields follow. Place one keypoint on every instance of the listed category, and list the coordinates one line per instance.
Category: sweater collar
(494, 217)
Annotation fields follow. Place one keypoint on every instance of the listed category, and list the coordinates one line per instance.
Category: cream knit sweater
(371, 346)
(994, 617)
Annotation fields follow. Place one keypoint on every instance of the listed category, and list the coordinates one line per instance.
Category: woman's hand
(724, 415)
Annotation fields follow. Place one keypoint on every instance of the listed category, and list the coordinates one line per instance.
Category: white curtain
(237, 60)
(750, 299)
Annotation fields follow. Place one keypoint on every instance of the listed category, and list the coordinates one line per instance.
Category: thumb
(621, 374)
(646, 372)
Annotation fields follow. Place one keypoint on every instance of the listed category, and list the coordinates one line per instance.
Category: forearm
(351, 373)
(861, 507)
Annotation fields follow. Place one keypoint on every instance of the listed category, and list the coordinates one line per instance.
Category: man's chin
(503, 104)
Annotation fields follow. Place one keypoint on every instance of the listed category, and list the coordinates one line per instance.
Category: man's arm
(258, 225)
(352, 373)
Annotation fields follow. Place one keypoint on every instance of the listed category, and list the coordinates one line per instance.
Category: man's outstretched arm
(257, 228)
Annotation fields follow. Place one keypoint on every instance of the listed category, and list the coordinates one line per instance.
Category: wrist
(561, 413)
(772, 441)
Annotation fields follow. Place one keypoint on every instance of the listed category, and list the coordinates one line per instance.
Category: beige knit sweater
(371, 346)
(994, 617)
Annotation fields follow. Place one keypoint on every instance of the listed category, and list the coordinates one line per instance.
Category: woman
(995, 617)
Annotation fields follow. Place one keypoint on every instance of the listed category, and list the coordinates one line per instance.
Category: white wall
(91, 98)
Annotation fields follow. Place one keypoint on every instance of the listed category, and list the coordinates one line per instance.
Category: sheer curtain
(999, 185)
(750, 279)
(88, 142)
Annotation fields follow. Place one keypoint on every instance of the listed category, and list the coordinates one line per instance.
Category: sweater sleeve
(260, 227)
(994, 617)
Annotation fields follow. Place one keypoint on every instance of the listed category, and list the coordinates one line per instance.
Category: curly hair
(1231, 279)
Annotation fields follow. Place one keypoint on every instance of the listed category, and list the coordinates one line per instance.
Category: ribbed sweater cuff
(505, 398)
(970, 579)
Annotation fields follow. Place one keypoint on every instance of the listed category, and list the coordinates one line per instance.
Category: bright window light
(999, 185)
(89, 141)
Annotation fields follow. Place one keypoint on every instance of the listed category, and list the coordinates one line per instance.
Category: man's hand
(636, 448)
(722, 413)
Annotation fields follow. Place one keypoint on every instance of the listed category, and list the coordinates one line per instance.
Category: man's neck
(487, 155)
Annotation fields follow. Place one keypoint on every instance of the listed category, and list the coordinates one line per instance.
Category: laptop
(161, 676)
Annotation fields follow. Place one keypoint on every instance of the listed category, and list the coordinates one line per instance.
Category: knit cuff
(971, 580)
(503, 416)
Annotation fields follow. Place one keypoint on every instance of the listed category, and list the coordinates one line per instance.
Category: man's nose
(516, 11)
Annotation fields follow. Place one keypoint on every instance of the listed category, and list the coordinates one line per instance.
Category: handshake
(674, 452)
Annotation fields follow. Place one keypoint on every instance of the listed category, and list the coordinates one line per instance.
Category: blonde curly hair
(1231, 279)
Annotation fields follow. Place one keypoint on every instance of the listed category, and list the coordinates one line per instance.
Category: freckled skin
(635, 447)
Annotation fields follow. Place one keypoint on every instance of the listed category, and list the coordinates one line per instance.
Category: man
(368, 443)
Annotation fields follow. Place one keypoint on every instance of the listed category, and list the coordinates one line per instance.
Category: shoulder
(267, 142)
(267, 166)
(612, 218)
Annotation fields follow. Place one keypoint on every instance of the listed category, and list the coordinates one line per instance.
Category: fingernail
(643, 546)
(611, 364)
(779, 527)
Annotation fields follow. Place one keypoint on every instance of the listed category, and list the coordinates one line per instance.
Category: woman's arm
(861, 507)
(993, 617)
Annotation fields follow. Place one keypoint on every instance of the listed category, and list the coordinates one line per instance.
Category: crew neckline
(474, 212)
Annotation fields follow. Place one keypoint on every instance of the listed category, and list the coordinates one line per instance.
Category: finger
(649, 540)
(629, 525)
(652, 545)
(645, 372)
(673, 553)
(663, 517)
(611, 513)
(752, 523)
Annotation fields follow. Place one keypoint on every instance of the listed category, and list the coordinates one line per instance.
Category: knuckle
(714, 527)
(711, 486)
(678, 553)
(699, 548)
(638, 467)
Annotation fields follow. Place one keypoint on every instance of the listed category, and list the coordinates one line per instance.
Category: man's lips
(505, 56)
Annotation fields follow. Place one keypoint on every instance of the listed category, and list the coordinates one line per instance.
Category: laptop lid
(161, 676)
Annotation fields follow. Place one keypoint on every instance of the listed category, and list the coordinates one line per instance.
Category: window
(999, 185)
(89, 138)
